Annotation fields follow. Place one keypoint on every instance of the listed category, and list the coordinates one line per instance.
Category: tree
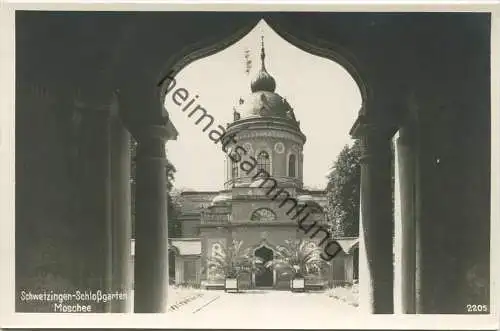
(343, 192)
(173, 208)
(297, 258)
(232, 261)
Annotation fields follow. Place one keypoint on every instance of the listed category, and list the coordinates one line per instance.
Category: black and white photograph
(249, 166)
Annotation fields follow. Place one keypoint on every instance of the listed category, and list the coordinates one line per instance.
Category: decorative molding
(248, 147)
(374, 145)
(270, 134)
(152, 132)
(279, 147)
(211, 243)
(264, 209)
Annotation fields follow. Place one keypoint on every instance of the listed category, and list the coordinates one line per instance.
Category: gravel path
(272, 306)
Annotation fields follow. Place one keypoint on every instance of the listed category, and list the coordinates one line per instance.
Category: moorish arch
(301, 39)
(288, 32)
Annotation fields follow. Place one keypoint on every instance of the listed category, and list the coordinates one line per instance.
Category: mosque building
(265, 127)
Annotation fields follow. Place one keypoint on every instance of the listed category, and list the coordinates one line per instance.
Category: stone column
(151, 231)
(377, 224)
(93, 182)
(407, 263)
(121, 213)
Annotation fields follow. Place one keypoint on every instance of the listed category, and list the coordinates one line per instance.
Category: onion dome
(263, 101)
(265, 104)
(263, 81)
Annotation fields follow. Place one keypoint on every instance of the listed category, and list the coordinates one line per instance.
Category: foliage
(233, 261)
(173, 208)
(343, 192)
(297, 258)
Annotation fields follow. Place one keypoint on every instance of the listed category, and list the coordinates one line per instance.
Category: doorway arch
(266, 278)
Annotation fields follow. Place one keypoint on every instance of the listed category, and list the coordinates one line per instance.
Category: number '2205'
(477, 308)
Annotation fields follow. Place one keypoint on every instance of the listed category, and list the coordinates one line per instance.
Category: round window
(279, 148)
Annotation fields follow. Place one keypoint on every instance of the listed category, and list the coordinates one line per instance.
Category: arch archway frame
(295, 164)
(264, 244)
(296, 36)
(253, 211)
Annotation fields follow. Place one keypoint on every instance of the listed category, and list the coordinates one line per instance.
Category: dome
(263, 102)
(221, 198)
(263, 81)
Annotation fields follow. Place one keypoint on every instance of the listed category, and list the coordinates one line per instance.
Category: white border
(7, 93)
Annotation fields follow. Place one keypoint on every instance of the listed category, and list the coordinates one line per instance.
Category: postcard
(305, 166)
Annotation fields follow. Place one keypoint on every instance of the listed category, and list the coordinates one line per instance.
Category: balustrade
(211, 218)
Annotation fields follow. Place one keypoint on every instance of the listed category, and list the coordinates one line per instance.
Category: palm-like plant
(297, 258)
(233, 261)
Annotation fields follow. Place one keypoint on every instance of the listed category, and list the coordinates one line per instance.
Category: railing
(264, 193)
(213, 218)
(210, 218)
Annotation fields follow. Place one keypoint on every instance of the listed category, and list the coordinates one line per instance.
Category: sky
(325, 98)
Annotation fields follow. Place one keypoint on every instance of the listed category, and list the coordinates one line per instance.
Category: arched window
(263, 215)
(292, 161)
(263, 162)
(234, 170)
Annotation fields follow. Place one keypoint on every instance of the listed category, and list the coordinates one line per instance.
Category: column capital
(151, 132)
(151, 143)
(367, 126)
(374, 144)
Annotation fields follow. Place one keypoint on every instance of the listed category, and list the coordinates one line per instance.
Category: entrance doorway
(266, 277)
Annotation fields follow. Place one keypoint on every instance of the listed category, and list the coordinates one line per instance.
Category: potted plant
(297, 258)
(232, 261)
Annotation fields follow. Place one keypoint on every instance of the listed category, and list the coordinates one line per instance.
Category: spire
(262, 54)
(263, 81)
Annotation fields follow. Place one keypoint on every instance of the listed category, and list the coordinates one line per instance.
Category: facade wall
(190, 228)
(243, 209)
(279, 155)
(272, 235)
